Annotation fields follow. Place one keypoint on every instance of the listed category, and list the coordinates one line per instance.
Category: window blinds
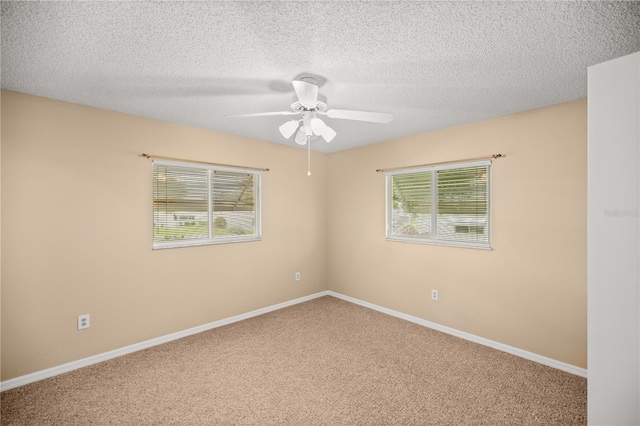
(195, 204)
(463, 204)
(444, 204)
(411, 212)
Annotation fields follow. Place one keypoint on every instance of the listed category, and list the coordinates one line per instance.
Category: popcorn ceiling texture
(431, 64)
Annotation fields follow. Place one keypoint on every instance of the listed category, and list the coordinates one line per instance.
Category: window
(445, 204)
(196, 204)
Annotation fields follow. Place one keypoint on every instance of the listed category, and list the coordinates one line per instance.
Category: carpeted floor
(323, 362)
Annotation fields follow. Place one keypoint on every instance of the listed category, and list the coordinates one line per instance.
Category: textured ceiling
(431, 64)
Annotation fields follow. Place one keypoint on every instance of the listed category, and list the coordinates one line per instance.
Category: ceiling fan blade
(374, 117)
(264, 114)
(307, 93)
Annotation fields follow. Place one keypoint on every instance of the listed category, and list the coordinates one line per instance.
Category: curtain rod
(494, 156)
(159, 157)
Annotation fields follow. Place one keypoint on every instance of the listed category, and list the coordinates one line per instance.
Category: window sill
(478, 246)
(196, 243)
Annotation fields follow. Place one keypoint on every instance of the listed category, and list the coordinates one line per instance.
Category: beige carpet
(323, 362)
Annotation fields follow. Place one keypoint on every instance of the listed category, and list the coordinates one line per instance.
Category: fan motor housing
(320, 106)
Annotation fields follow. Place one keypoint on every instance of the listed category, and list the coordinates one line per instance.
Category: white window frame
(434, 206)
(211, 240)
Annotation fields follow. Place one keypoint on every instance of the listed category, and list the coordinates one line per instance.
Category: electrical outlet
(297, 276)
(84, 321)
(434, 294)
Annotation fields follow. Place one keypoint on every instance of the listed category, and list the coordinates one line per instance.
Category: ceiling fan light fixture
(307, 104)
(288, 128)
(306, 91)
(301, 136)
(308, 131)
(328, 134)
(317, 126)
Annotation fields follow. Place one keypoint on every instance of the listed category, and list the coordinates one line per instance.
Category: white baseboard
(569, 368)
(74, 365)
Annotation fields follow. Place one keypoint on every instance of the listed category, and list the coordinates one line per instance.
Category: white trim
(74, 365)
(569, 368)
(162, 245)
(446, 243)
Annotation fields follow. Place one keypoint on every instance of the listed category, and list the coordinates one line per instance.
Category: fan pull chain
(308, 155)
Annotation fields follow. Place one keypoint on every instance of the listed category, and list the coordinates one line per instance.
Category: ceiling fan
(310, 107)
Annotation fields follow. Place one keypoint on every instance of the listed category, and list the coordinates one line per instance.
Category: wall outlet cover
(84, 321)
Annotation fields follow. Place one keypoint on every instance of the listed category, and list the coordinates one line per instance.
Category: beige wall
(76, 219)
(530, 290)
(0, 235)
(76, 222)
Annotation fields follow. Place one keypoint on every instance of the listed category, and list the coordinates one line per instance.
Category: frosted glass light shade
(317, 126)
(288, 128)
(301, 137)
(328, 134)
